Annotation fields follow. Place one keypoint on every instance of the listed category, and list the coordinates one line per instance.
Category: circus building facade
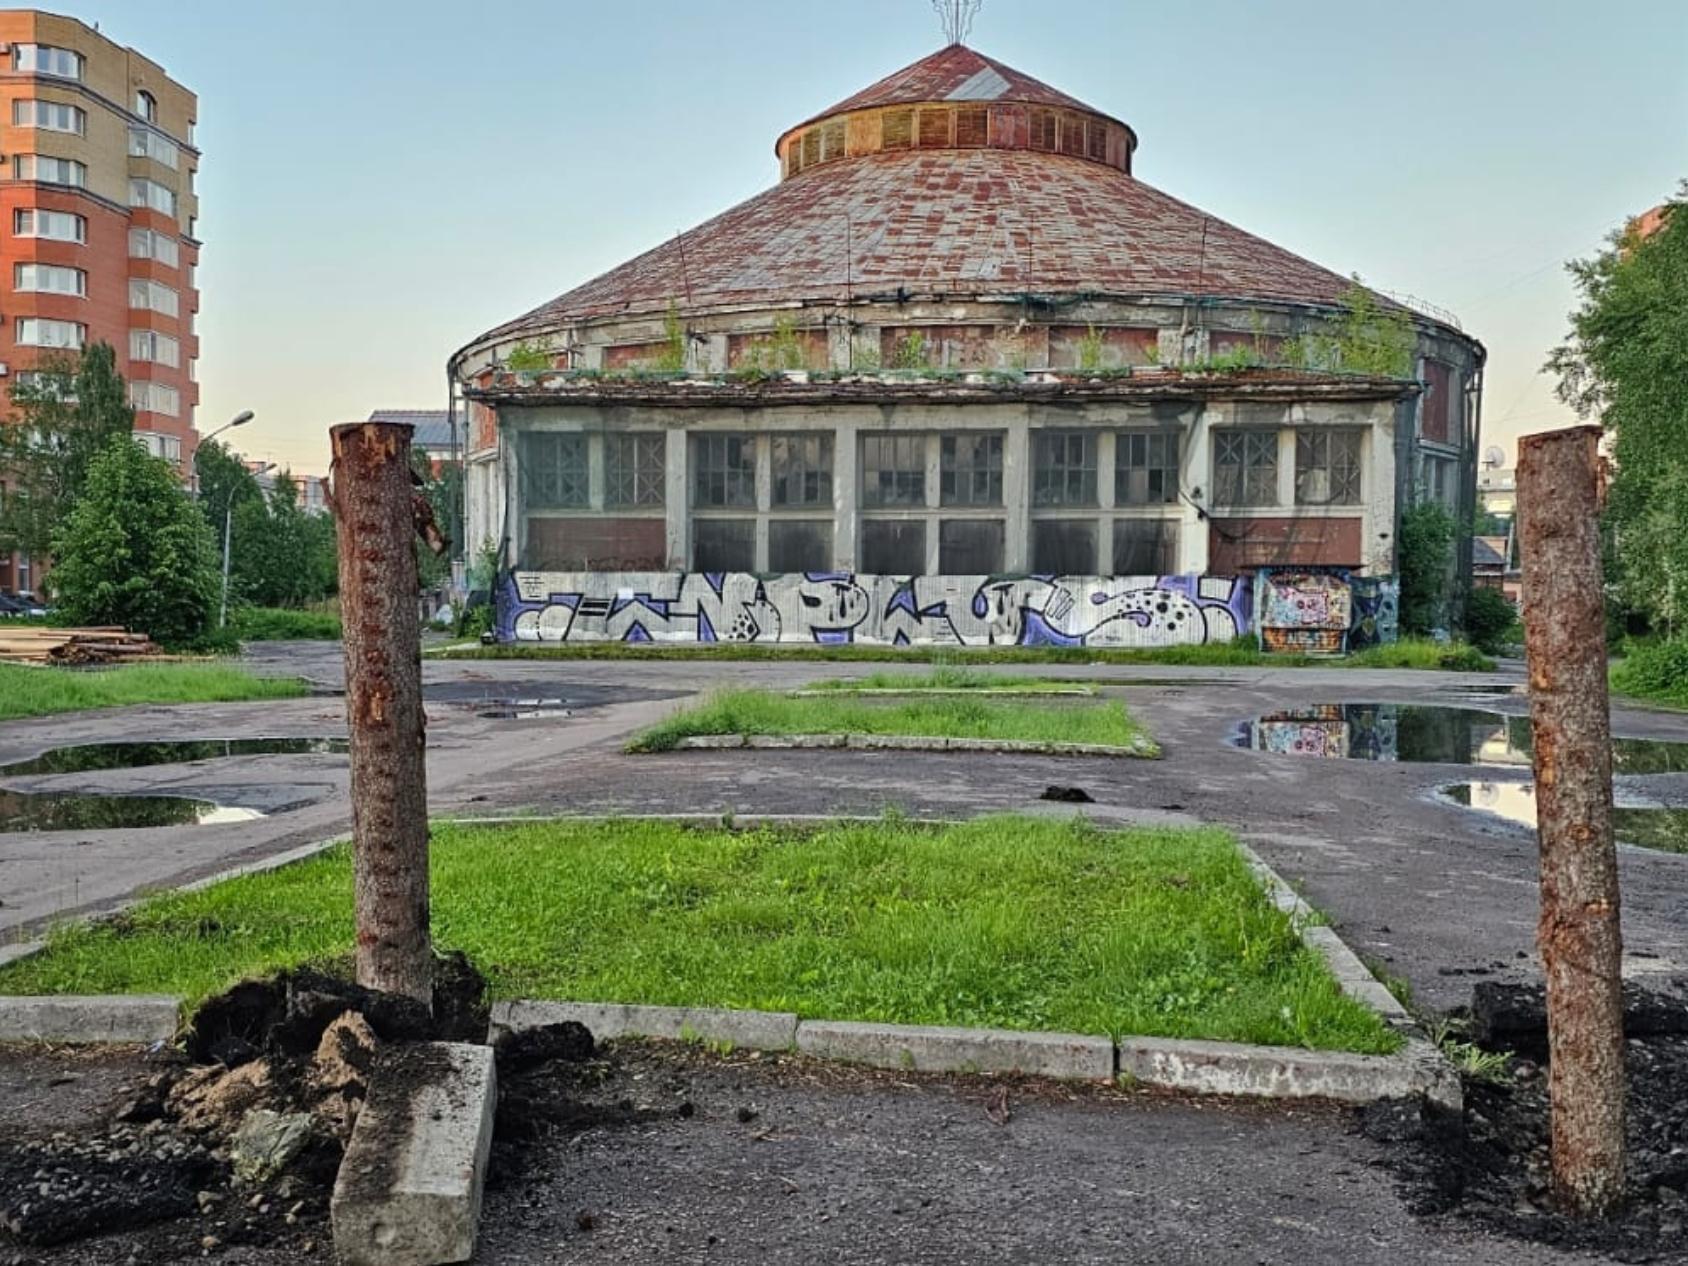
(960, 376)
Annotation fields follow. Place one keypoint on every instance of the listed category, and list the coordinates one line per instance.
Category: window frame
(146, 105)
(146, 142)
(1168, 468)
(79, 328)
(155, 293)
(977, 473)
(737, 479)
(1308, 443)
(35, 213)
(893, 485)
(153, 240)
(154, 339)
(27, 113)
(149, 396)
(72, 167)
(28, 58)
(1253, 442)
(1058, 483)
(644, 480)
(34, 267)
(790, 459)
(550, 486)
(145, 189)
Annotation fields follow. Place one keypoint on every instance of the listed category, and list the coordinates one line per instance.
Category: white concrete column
(676, 500)
(1195, 464)
(764, 450)
(934, 499)
(1377, 487)
(1286, 469)
(597, 471)
(1017, 497)
(846, 499)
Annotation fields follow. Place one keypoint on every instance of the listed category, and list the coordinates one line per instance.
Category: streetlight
(228, 526)
(239, 419)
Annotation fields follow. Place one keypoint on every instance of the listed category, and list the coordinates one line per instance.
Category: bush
(1489, 619)
(280, 624)
(1654, 670)
(1427, 553)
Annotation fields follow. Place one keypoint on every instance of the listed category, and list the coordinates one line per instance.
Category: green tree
(134, 550)
(65, 412)
(1626, 363)
(279, 555)
(1426, 566)
(445, 497)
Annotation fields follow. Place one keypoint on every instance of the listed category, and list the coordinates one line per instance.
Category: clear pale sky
(384, 179)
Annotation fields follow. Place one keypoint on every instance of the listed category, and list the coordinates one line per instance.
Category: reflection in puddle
(526, 709)
(87, 757)
(1662, 829)
(74, 811)
(1427, 734)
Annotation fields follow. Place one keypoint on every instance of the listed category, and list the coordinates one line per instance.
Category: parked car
(20, 604)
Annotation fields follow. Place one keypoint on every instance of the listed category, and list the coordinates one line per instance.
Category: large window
(802, 470)
(52, 279)
(970, 472)
(57, 226)
(1145, 547)
(635, 470)
(893, 547)
(723, 545)
(154, 296)
(155, 397)
(1245, 468)
(893, 470)
(1064, 547)
(146, 105)
(49, 116)
(1327, 468)
(796, 545)
(154, 348)
(39, 332)
(51, 171)
(44, 59)
(150, 244)
(1145, 468)
(1064, 468)
(970, 547)
(151, 194)
(145, 143)
(160, 445)
(723, 471)
(556, 472)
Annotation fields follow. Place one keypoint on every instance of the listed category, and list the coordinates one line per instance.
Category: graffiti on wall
(1362, 731)
(1309, 612)
(841, 607)
(1377, 611)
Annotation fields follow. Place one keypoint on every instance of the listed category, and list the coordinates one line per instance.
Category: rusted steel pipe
(1581, 943)
(375, 505)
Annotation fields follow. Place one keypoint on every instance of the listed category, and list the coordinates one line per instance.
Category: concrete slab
(1232, 1068)
(409, 1189)
(71, 1019)
(756, 1030)
(925, 1048)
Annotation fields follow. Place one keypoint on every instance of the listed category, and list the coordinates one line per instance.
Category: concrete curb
(910, 743)
(755, 1030)
(105, 1018)
(923, 1048)
(1275, 1072)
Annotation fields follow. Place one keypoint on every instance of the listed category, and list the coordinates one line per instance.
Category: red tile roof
(946, 222)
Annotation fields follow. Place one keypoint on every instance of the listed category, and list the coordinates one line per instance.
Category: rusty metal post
(1559, 502)
(373, 501)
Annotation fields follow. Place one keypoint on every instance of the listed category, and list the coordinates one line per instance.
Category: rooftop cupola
(957, 99)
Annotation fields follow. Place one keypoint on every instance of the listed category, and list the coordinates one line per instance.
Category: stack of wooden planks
(30, 644)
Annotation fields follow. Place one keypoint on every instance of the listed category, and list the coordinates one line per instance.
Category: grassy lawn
(952, 677)
(1025, 923)
(939, 716)
(1656, 672)
(1454, 657)
(281, 624)
(34, 692)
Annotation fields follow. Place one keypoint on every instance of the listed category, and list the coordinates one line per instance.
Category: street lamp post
(239, 419)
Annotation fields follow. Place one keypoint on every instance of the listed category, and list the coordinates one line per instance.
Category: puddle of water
(88, 757)
(1663, 829)
(525, 709)
(1428, 734)
(47, 811)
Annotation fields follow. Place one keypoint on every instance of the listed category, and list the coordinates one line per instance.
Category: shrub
(279, 624)
(1489, 619)
(1427, 551)
(1654, 670)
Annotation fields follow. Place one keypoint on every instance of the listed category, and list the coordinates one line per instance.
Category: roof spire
(957, 17)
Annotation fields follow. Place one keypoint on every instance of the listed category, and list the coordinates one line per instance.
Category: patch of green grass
(1663, 830)
(940, 716)
(1242, 653)
(1654, 671)
(282, 624)
(951, 677)
(33, 692)
(1011, 922)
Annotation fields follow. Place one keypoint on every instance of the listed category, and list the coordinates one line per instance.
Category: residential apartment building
(97, 221)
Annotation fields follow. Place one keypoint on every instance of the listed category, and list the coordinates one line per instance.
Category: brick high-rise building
(97, 216)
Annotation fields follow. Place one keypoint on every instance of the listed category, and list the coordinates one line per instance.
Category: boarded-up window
(633, 355)
(1043, 129)
(899, 129)
(811, 147)
(1064, 547)
(935, 128)
(970, 547)
(799, 545)
(972, 126)
(1096, 140)
(1438, 403)
(1145, 547)
(723, 545)
(832, 141)
(1072, 135)
(893, 547)
(595, 543)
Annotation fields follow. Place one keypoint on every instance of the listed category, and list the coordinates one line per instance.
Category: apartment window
(1438, 481)
(155, 397)
(145, 143)
(1145, 468)
(151, 194)
(160, 445)
(893, 547)
(159, 247)
(721, 545)
(49, 116)
(802, 471)
(1327, 468)
(36, 384)
(1145, 547)
(51, 279)
(970, 547)
(44, 59)
(555, 471)
(1064, 469)
(39, 332)
(154, 296)
(970, 470)
(154, 348)
(57, 226)
(723, 471)
(635, 470)
(799, 545)
(1064, 547)
(146, 105)
(51, 171)
(893, 470)
(1245, 468)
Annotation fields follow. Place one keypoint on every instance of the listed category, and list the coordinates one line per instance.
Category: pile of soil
(1490, 1163)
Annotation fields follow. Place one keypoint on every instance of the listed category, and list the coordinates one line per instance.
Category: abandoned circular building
(959, 341)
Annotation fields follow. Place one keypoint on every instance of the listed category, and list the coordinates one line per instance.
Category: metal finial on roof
(957, 17)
